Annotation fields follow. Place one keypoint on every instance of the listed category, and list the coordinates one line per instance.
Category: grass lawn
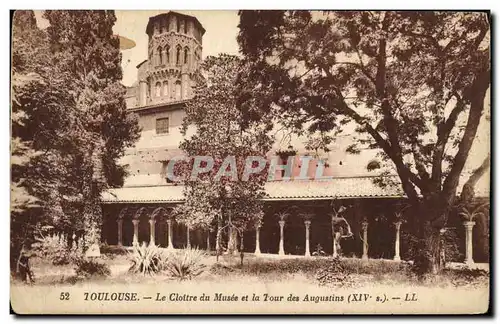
(258, 276)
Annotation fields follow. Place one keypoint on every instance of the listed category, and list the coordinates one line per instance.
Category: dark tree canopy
(413, 84)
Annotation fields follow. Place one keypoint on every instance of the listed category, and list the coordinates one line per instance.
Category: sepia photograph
(250, 162)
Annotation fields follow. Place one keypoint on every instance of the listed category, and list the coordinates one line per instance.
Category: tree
(412, 84)
(96, 129)
(221, 195)
(27, 49)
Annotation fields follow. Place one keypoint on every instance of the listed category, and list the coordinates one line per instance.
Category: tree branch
(468, 188)
(443, 133)
(477, 95)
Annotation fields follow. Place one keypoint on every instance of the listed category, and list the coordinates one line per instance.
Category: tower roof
(172, 13)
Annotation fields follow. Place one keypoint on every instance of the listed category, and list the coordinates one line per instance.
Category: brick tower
(174, 55)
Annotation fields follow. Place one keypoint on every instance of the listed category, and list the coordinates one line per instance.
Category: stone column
(336, 238)
(365, 240)
(120, 231)
(397, 257)
(135, 240)
(257, 239)
(170, 245)
(152, 223)
(468, 241)
(188, 239)
(307, 223)
(282, 247)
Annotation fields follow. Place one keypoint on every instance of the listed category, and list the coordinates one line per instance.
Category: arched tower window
(178, 90)
(167, 54)
(186, 55)
(178, 25)
(185, 27)
(178, 56)
(165, 88)
(160, 56)
(158, 89)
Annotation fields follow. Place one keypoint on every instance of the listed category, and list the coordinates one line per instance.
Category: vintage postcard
(250, 162)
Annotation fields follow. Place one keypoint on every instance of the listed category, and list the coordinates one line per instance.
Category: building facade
(299, 215)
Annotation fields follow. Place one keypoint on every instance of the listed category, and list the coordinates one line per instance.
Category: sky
(220, 37)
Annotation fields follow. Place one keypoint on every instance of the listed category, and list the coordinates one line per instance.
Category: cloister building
(140, 211)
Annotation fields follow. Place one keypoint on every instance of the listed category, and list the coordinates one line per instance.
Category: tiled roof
(347, 187)
(354, 187)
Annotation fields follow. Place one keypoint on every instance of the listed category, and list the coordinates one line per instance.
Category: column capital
(282, 223)
(119, 220)
(398, 224)
(364, 225)
(152, 221)
(135, 221)
(469, 224)
(307, 223)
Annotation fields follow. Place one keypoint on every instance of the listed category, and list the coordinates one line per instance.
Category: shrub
(335, 273)
(147, 259)
(91, 267)
(55, 249)
(466, 276)
(186, 264)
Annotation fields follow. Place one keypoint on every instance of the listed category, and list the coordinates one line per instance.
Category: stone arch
(159, 211)
(123, 213)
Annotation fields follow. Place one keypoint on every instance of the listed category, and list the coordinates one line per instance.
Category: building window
(185, 27)
(167, 54)
(178, 88)
(178, 25)
(186, 55)
(158, 89)
(160, 56)
(178, 58)
(165, 89)
(162, 125)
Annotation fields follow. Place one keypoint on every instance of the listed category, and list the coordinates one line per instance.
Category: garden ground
(465, 289)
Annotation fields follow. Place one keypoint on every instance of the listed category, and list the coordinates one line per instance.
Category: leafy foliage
(411, 84)
(91, 267)
(333, 274)
(147, 259)
(217, 132)
(70, 125)
(55, 248)
(186, 264)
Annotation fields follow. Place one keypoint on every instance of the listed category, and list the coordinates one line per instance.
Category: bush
(186, 264)
(375, 267)
(147, 259)
(335, 273)
(55, 249)
(91, 267)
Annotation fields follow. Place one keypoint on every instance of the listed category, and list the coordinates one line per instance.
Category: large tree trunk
(432, 218)
(217, 239)
(232, 241)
